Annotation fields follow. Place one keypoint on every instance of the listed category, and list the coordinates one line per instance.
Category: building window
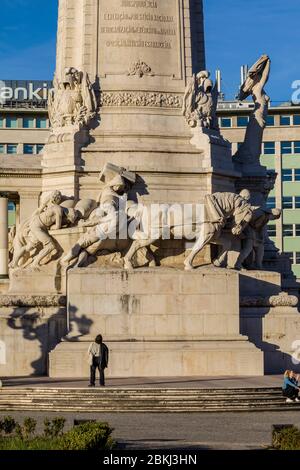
(297, 230)
(272, 230)
(28, 149)
(287, 175)
(297, 146)
(285, 120)
(287, 202)
(297, 120)
(290, 147)
(269, 148)
(271, 203)
(11, 214)
(41, 123)
(271, 121)
(297, 258)
(290, 254)
(2, 148)
(28, 123)
(39, 148)
(286, 148)
(1, 122)
(297, 174)
(242, 121)
(297, 202)
(12, 149)
(288, 231)
(11, 122)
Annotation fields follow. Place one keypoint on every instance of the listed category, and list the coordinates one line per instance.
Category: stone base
(271, 320)
(27, 334)
(45, 280)
(161, 359)
(275, 330)
(157, 322)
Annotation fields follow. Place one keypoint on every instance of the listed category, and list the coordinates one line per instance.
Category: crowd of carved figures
(230, 220)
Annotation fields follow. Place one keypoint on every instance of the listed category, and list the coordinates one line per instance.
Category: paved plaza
(224, 431)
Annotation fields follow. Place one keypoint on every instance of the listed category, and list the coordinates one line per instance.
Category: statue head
(72, 77)
(117, 184)
(203, 75)
(245, 194)
(56, 197)
(53, 197)
(71, 215)
(204, 81)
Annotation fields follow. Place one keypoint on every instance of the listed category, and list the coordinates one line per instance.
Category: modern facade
(24, 129)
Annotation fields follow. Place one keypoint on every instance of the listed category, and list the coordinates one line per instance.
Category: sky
(237, 32)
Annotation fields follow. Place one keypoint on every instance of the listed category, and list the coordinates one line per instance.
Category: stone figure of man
(103, 224)
(254, 237)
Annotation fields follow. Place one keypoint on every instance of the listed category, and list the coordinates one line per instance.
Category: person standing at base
(290, 389)
(98, 359)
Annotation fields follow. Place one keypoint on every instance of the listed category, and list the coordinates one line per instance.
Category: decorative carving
(284, 300)
(258, 75)
(253, 243)
(33, 301)
(140, 68)
(200, 102)
(141, 99)
(72, 101)
(106, 221)
(33, 244)
(222, 209)
(281, 300)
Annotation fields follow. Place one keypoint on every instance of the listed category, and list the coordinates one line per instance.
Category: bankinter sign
(12, 90)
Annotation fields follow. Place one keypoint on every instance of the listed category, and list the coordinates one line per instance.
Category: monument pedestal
(156, 322)
(271, 320)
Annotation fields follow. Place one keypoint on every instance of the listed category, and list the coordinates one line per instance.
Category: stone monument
(148, 230)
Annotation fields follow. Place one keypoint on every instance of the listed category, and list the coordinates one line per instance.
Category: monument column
(139, 56)
(3, 237)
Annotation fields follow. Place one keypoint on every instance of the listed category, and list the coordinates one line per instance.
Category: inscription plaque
(139, 30)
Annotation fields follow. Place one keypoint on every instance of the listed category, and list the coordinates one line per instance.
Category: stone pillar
(3, 237)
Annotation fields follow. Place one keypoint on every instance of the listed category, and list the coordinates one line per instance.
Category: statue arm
(91, 222)
(99, 197)
(266, 73)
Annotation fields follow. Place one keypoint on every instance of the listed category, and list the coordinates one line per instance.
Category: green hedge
(87, 436)
(286, 439)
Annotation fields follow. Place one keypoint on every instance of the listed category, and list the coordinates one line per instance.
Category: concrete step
(143, 400)
(141, 391)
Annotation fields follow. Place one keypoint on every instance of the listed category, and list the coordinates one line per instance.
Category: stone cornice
(20, 300)
(281, 300)
(21, 172)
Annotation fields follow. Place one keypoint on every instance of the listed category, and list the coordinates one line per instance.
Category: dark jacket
(104, 356)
